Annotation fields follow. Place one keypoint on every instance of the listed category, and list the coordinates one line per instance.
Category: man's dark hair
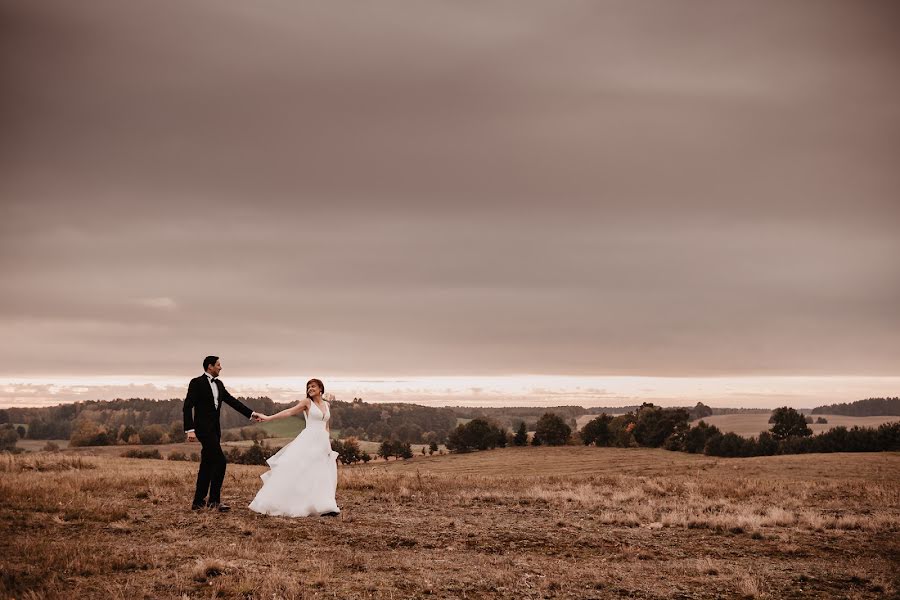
(209, 360)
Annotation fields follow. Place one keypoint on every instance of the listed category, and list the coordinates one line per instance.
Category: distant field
(751, 424)
(283, 428)
(566, 522)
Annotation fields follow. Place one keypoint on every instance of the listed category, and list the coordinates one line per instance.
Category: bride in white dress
(303, 476)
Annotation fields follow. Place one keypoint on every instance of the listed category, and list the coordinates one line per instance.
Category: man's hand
(191, 436)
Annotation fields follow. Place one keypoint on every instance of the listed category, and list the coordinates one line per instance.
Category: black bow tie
(213, 379)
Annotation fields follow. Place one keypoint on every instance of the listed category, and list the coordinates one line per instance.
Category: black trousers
(212, 471)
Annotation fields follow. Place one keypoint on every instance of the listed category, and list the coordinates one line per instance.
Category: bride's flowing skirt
(303, 477)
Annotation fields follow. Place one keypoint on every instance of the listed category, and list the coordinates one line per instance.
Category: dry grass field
(569, 522)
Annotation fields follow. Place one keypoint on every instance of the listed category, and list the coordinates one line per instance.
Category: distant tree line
(654, 427)
(407, 423)
(870, 407)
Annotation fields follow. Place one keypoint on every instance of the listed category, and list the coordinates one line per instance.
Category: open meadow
(565, 522)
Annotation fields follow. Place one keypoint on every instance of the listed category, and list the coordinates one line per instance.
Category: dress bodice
(315, 417)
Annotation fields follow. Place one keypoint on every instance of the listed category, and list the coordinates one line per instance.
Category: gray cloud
(436, 188)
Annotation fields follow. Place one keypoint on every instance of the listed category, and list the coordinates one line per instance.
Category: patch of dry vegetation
(522, 522)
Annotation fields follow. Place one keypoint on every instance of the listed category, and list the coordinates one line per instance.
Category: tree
(151, 434)
(788, 422)
(521, 437)
(696, 437)
(21, 431)
(655, 424)
(88, 433)
(405, 451)
(8, 437)
(552, 430)
(432, 447)
(386, 449)
(821, 421)
(700, 411)
(597, 431)
(348, 450)
(477, 434)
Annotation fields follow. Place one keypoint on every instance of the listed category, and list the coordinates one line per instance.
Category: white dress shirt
(215, 390)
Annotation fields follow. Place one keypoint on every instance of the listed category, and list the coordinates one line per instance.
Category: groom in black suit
(201, 422)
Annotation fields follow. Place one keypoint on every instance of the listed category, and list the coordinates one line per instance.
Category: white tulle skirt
(303, 477)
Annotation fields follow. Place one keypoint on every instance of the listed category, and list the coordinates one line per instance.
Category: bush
(137, 453)
(231, 436)
(787, 422)
(176, 455)
(821, 421)
(253, 433)
(552, 430)
(51, 447)
(257, 454)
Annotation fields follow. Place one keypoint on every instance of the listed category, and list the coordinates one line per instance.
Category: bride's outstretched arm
(292, 411)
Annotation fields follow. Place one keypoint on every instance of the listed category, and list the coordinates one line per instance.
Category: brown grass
(521, 522)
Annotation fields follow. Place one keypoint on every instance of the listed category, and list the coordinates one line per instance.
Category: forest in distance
(141, 420)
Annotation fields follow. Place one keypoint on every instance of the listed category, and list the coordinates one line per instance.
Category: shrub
(176, 455)
(231, 436)
(51, 447)
(821, 421)
(138, 453)
(253, 433)
(257, 454)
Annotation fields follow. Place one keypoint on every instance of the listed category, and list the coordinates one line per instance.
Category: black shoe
(330, 514)
(198, 506)
(219, 506)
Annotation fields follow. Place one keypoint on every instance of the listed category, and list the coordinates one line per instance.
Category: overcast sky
(686, 189)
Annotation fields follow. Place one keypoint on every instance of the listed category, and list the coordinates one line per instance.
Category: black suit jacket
(200, 412)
